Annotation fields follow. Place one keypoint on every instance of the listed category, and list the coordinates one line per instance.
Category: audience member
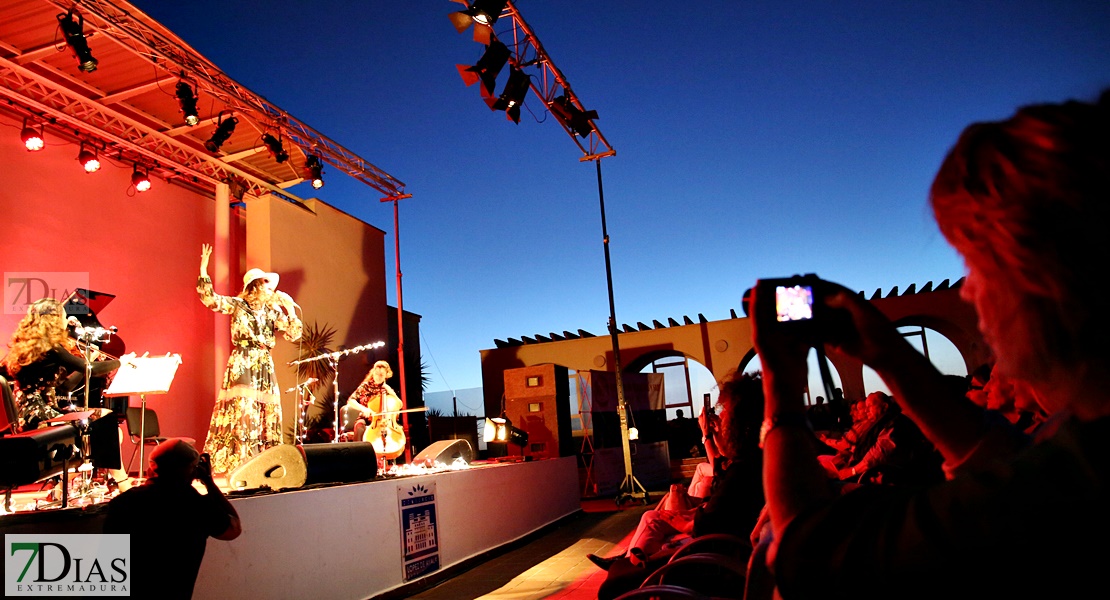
(1024, 201)
(820, 416)
(733, 504)
(169, 521)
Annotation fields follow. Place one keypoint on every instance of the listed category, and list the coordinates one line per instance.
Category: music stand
(150, 375)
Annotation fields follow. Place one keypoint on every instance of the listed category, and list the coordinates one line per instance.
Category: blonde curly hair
(43, 328)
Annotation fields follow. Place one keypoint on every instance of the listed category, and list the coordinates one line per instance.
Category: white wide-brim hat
(256, 273)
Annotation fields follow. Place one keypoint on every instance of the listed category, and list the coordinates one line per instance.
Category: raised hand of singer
(205, 254)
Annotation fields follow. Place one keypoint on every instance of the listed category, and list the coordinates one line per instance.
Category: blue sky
(753, 139)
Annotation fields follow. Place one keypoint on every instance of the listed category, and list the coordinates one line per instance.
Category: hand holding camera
(203, 470)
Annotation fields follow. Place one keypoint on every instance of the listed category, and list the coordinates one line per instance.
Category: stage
(355, 541)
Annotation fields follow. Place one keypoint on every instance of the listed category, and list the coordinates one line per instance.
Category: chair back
(662, 592)
(714, 575)
(136, 426)
(725, 544)
(11, 414)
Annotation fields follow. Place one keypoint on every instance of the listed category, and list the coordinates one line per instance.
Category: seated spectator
(893, 451)
(1024, 201)
(734, 502)
(820, 416)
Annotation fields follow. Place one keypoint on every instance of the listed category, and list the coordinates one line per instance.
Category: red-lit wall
(145, 249)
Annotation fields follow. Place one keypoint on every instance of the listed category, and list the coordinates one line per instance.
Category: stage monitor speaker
(445, 451)
(276, 468)
(36, 454)
(340, 463)
(289, 466)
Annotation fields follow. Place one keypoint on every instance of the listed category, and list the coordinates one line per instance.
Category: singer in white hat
(247, 416)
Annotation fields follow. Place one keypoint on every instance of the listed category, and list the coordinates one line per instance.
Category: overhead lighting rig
(187, 100)
(513, 95)
(277, 150)
(32, 137)
(73, 28)
(482, 14)
(487, 67)
(572, 117)
(314, 171)
(140, 178)
(224, 129)
(88, 158)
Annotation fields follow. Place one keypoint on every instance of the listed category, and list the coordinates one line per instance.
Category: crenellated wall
(726, 345)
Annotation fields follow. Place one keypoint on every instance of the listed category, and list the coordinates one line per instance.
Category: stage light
(32, 137)
(576, 120)
(314, 171)
(513, 95)
(74, 32)
(140, 179)
(482, 13)
(276, 149)
(88, 159)
(487, 67)
(224, 129)
(500, 430)
(187, 100)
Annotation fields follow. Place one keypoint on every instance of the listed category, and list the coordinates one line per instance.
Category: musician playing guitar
(378, 406)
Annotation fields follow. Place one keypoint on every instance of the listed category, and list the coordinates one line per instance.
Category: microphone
(306, 383)
(287, 297)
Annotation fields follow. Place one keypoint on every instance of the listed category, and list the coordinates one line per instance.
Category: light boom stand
(630, 488)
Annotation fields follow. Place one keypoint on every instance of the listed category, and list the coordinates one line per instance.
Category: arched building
(726, 345)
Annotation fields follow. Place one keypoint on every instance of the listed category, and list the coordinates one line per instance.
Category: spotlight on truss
(277, 150)
(187, 100)
(74, 31)
(482, 13)
(513, 95)
(574, 118)
(487, 67)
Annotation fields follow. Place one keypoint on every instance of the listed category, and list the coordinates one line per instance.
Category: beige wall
(726, 345)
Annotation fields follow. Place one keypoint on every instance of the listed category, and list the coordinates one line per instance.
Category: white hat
(256, 273)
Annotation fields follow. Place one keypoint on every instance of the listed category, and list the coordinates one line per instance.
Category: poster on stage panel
(419, 533)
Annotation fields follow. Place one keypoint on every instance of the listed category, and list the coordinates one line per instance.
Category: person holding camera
(1025, 201)
(169, 521)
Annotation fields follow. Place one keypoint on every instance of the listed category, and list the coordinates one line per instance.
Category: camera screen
(794, 303)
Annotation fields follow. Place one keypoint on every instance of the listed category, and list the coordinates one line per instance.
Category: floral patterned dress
(247, 416)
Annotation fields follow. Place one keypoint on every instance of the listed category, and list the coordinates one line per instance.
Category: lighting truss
(106, 18)
(527, 53)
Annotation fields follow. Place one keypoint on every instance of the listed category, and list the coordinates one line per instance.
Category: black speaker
(340, 463)
(290, 466)
(445, 451)
(36, 454)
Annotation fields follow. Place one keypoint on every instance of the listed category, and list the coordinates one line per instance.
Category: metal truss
(527, 51)
(73, 111)
(168, 53)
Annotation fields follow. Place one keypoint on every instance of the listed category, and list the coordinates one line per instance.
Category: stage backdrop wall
(145, 249)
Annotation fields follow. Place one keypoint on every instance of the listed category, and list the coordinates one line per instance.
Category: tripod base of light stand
(631, 489)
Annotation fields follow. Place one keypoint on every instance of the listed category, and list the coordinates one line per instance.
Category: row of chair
(709, 567)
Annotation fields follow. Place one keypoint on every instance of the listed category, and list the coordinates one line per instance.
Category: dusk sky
(753, 139)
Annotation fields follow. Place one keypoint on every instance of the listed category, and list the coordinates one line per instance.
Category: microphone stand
(333, 360)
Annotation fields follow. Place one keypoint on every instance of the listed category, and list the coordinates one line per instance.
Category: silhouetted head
(1025, 201)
